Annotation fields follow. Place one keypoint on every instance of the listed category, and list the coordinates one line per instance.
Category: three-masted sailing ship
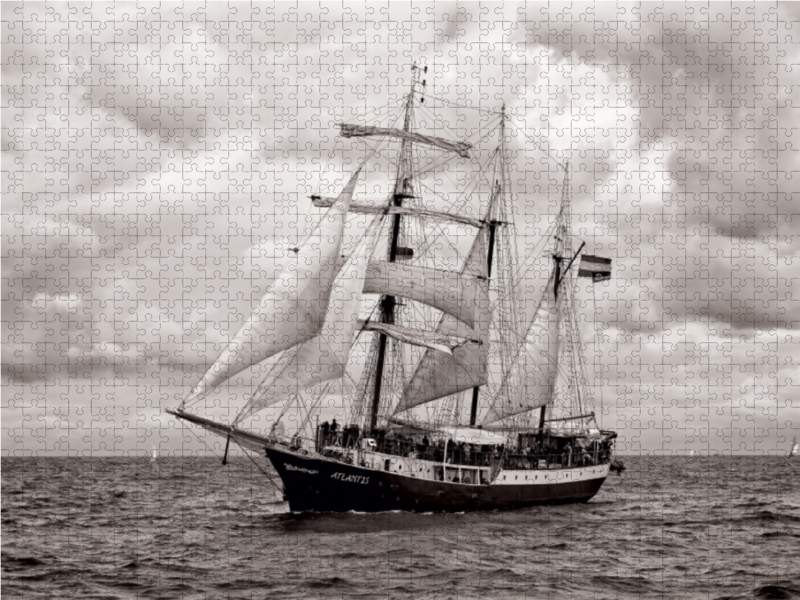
(469, 391)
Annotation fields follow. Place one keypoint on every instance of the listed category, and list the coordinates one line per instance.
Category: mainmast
(402, 190)
(473, 413)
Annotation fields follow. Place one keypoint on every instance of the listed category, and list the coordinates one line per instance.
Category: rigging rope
(598, 339)
(454, 105)
(258, 466)
(209, 448)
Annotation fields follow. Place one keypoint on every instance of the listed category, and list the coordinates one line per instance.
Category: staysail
(531, 383)
(324, 357)
(294, 308)
(439, 374)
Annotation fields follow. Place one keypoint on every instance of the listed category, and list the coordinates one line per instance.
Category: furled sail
(531, 383)
(371, 209)
(457, 294)
(294, 308)
(324, 357)
(438, 374)
(460, 148)
(434, 340)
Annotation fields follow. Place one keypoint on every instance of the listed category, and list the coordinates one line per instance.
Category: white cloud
(157, 162)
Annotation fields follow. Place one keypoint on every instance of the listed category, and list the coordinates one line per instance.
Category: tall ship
(444, 331)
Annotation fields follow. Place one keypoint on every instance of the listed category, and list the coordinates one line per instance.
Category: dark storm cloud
(709, 83)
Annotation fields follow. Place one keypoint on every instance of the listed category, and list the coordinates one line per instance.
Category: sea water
(668, 527)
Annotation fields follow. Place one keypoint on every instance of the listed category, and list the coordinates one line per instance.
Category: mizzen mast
(561, 291)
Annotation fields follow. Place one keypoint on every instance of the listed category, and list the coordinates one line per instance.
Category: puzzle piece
(158, 161)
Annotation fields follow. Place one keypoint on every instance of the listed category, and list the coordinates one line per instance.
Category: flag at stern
(596, 267)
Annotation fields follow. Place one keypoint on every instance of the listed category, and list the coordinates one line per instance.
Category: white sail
(460, 148)
(324, 357)
(454, 293)
(294, 308)
(531, 384)
(439, 375)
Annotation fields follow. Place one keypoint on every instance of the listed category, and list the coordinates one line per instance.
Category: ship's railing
(332, 443)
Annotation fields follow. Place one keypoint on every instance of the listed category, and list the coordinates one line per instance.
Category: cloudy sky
(157, 159)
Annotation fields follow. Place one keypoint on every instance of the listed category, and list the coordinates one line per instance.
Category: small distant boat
(795, 447)
(691, 452)
(154, 454)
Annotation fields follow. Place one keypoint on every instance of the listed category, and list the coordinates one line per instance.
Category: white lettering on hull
(300, 469)
(351, 478)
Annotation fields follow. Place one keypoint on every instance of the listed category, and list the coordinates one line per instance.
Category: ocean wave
(215, 534)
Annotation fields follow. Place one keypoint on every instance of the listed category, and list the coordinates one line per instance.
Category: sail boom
(372, 209)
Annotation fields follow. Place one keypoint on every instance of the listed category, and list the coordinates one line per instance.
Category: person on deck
(326, 428)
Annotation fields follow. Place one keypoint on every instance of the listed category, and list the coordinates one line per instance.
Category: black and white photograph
(400, 299)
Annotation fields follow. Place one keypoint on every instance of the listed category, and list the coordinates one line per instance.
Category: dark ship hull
(314, 483)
